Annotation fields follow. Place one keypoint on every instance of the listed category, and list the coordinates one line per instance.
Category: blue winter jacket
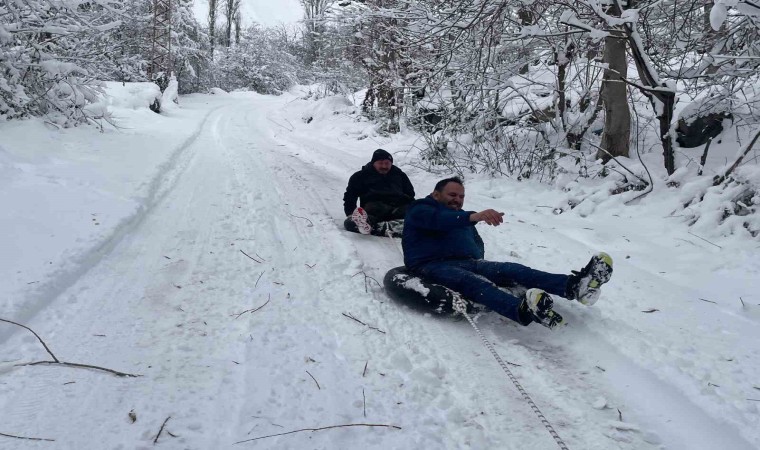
(433, 232)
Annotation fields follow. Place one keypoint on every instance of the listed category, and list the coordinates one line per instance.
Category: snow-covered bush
(44, 56)
(257, 63)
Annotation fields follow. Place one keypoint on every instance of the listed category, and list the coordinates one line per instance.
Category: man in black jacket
(384, 193)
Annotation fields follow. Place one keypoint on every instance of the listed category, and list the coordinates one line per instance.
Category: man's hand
(489, 216)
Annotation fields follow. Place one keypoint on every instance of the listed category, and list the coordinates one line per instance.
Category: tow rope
(460, 306)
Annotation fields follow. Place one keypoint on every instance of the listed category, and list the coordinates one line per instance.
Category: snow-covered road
(246, 216)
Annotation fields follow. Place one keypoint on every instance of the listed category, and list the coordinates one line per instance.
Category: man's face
(382, 166)
(452, 196)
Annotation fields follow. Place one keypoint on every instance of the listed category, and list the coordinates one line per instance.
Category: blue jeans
(479, 281)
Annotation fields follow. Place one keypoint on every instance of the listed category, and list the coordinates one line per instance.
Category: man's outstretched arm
(489, 216)
(440, 219)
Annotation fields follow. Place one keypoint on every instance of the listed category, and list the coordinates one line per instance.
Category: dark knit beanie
(380, 155)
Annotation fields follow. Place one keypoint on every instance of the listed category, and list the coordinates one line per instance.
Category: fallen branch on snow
(315, 380)
(246, 254)
(370, 327)
(26, 438)
(56, 361)
(367, 279)
(371, 425)
(719, 179)
(155, 441)
(253, 310)
(257, 280)
(700, 237)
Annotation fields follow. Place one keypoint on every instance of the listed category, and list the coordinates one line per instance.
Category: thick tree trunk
(617, 115)
(230, 19)
(212, 26)
(662, 97)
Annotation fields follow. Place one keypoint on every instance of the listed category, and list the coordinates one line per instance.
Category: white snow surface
(202, 249)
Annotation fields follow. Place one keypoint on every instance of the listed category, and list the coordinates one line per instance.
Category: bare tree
(212, 8)
(314, 18)
(617, 115)
(231, 9)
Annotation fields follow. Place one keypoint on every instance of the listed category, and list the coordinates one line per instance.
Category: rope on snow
(460, 306)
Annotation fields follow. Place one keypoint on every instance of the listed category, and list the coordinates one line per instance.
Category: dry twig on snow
(257, 280)
(56, 361)
(315, 380)
(700, 237)
(370, 327)
(26, 438)
(367, 279)
(155, 441)
(253, 310)
(246, 254)
(320, 429)
(35, 335)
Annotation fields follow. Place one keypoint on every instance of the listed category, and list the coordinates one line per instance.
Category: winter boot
(537, 307)
(584, 285)
(361, 220)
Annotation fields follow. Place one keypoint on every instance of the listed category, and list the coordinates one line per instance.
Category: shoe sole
(543, 313)
(601, 272)
(359, 217)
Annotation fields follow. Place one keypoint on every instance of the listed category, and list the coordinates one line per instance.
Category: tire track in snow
(403, 361)
(59, 281)
(440, 361)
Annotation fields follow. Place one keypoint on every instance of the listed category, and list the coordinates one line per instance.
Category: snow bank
(170, 97)
(131, 95)
(326, 108)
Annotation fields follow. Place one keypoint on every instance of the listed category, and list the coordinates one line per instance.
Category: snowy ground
(138, 250)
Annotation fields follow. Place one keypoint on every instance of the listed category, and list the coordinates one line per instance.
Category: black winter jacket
(368, 185)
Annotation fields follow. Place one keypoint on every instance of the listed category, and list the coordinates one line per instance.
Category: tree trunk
(527, 18)
(617, 115)
(212, 26)
(662, 97)
(230, 19)
(562, 59)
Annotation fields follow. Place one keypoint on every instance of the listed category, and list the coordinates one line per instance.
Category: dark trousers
(479, 281)
(382, 212)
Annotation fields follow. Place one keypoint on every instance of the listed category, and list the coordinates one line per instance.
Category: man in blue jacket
(384, 193)
(442, 245)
